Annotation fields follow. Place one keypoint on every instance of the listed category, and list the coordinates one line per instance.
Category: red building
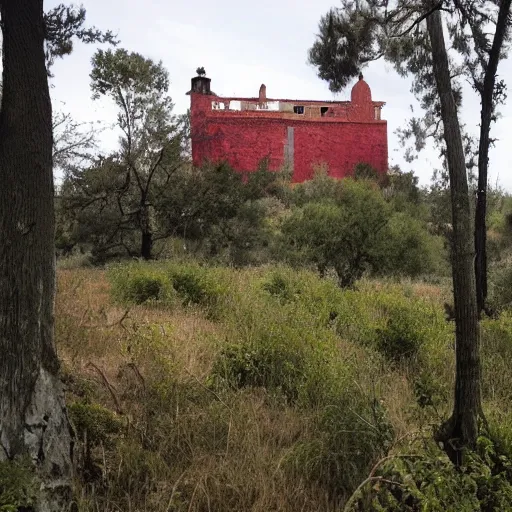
(300, 134)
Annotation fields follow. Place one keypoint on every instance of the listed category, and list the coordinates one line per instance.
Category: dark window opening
(298, 109)
(323, 110)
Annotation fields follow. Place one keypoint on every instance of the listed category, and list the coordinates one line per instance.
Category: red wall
(341, 146)
(244, 138)
(244, 142)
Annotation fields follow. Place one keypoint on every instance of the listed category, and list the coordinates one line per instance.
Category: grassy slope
(176, 431)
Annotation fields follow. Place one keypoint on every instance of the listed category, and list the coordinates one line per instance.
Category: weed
(18, 486)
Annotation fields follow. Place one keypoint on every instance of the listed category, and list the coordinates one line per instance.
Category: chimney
(201, 85)
(263, 93)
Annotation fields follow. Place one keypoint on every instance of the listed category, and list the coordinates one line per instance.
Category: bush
(344, 233)
(271, 365)
(95, 426)
(199, 286)
(279, 286)
(139, 283)
(403, 334)
(18, 486)
(496, 356)
(363, 171)
(278, 345)
(427, 480)
(410, 250)
(94, 422)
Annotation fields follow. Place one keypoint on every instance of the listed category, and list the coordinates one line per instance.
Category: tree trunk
(146, 246)
(33, 418)
(144, 219)
(487, 94)
(462, 428)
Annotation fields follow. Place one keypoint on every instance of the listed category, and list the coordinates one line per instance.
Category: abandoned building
(294, 133)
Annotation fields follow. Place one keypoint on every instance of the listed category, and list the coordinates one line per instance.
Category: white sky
(242, 45)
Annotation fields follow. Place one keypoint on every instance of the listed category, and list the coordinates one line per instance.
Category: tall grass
(196, 388)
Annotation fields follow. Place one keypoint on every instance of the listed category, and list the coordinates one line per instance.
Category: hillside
(199, 388)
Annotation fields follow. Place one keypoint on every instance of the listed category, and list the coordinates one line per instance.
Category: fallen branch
(107, 385)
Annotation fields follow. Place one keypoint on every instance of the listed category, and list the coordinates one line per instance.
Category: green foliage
(270, 364)
(18, 486)
(281, 353)
(409, 250)
(403, 335)
(116, 71)
(428, 391)
(496, 354)
(219, 209)
(310, 383)
(64, 23)
(94, 422)
(402, 328)
(364, 171)
(111, 206)
(198, 286)
(137, 284)
(500, 296)
(402, 188)
(278, 286)
(95, 426)
(190, 284)
(342, 233)
(349, 226)
(427, 480)
(321, 188)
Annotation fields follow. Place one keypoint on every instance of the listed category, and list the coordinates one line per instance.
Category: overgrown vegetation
(193, 386)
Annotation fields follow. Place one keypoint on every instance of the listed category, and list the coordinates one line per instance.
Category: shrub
(500, 296)
(279, 286)
(429, 392)
(271, 365)
(278, 346)
(402, 336)
(496, 356)
(94, 421)
(363, 171)
(95, 426)
(18, 486)
(427, 480)
(410, 250)
(344, 233)
(138, 283)
(200, 286)
(144, 288)
(189, 287)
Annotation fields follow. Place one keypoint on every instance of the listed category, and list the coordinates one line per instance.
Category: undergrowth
(198, 388)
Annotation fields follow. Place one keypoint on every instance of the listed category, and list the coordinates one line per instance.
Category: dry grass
(187, 446)
(227, 453)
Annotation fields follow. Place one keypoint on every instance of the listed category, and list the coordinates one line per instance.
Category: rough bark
(462, 428)
(33, 419)
(146, 246)
(487, 93)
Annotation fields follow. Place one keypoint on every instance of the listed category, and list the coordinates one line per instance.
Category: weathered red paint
(340, 135)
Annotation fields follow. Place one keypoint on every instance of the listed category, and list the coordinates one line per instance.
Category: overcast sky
(242, 45)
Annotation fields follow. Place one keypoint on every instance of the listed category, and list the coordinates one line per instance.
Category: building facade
(299, 134)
